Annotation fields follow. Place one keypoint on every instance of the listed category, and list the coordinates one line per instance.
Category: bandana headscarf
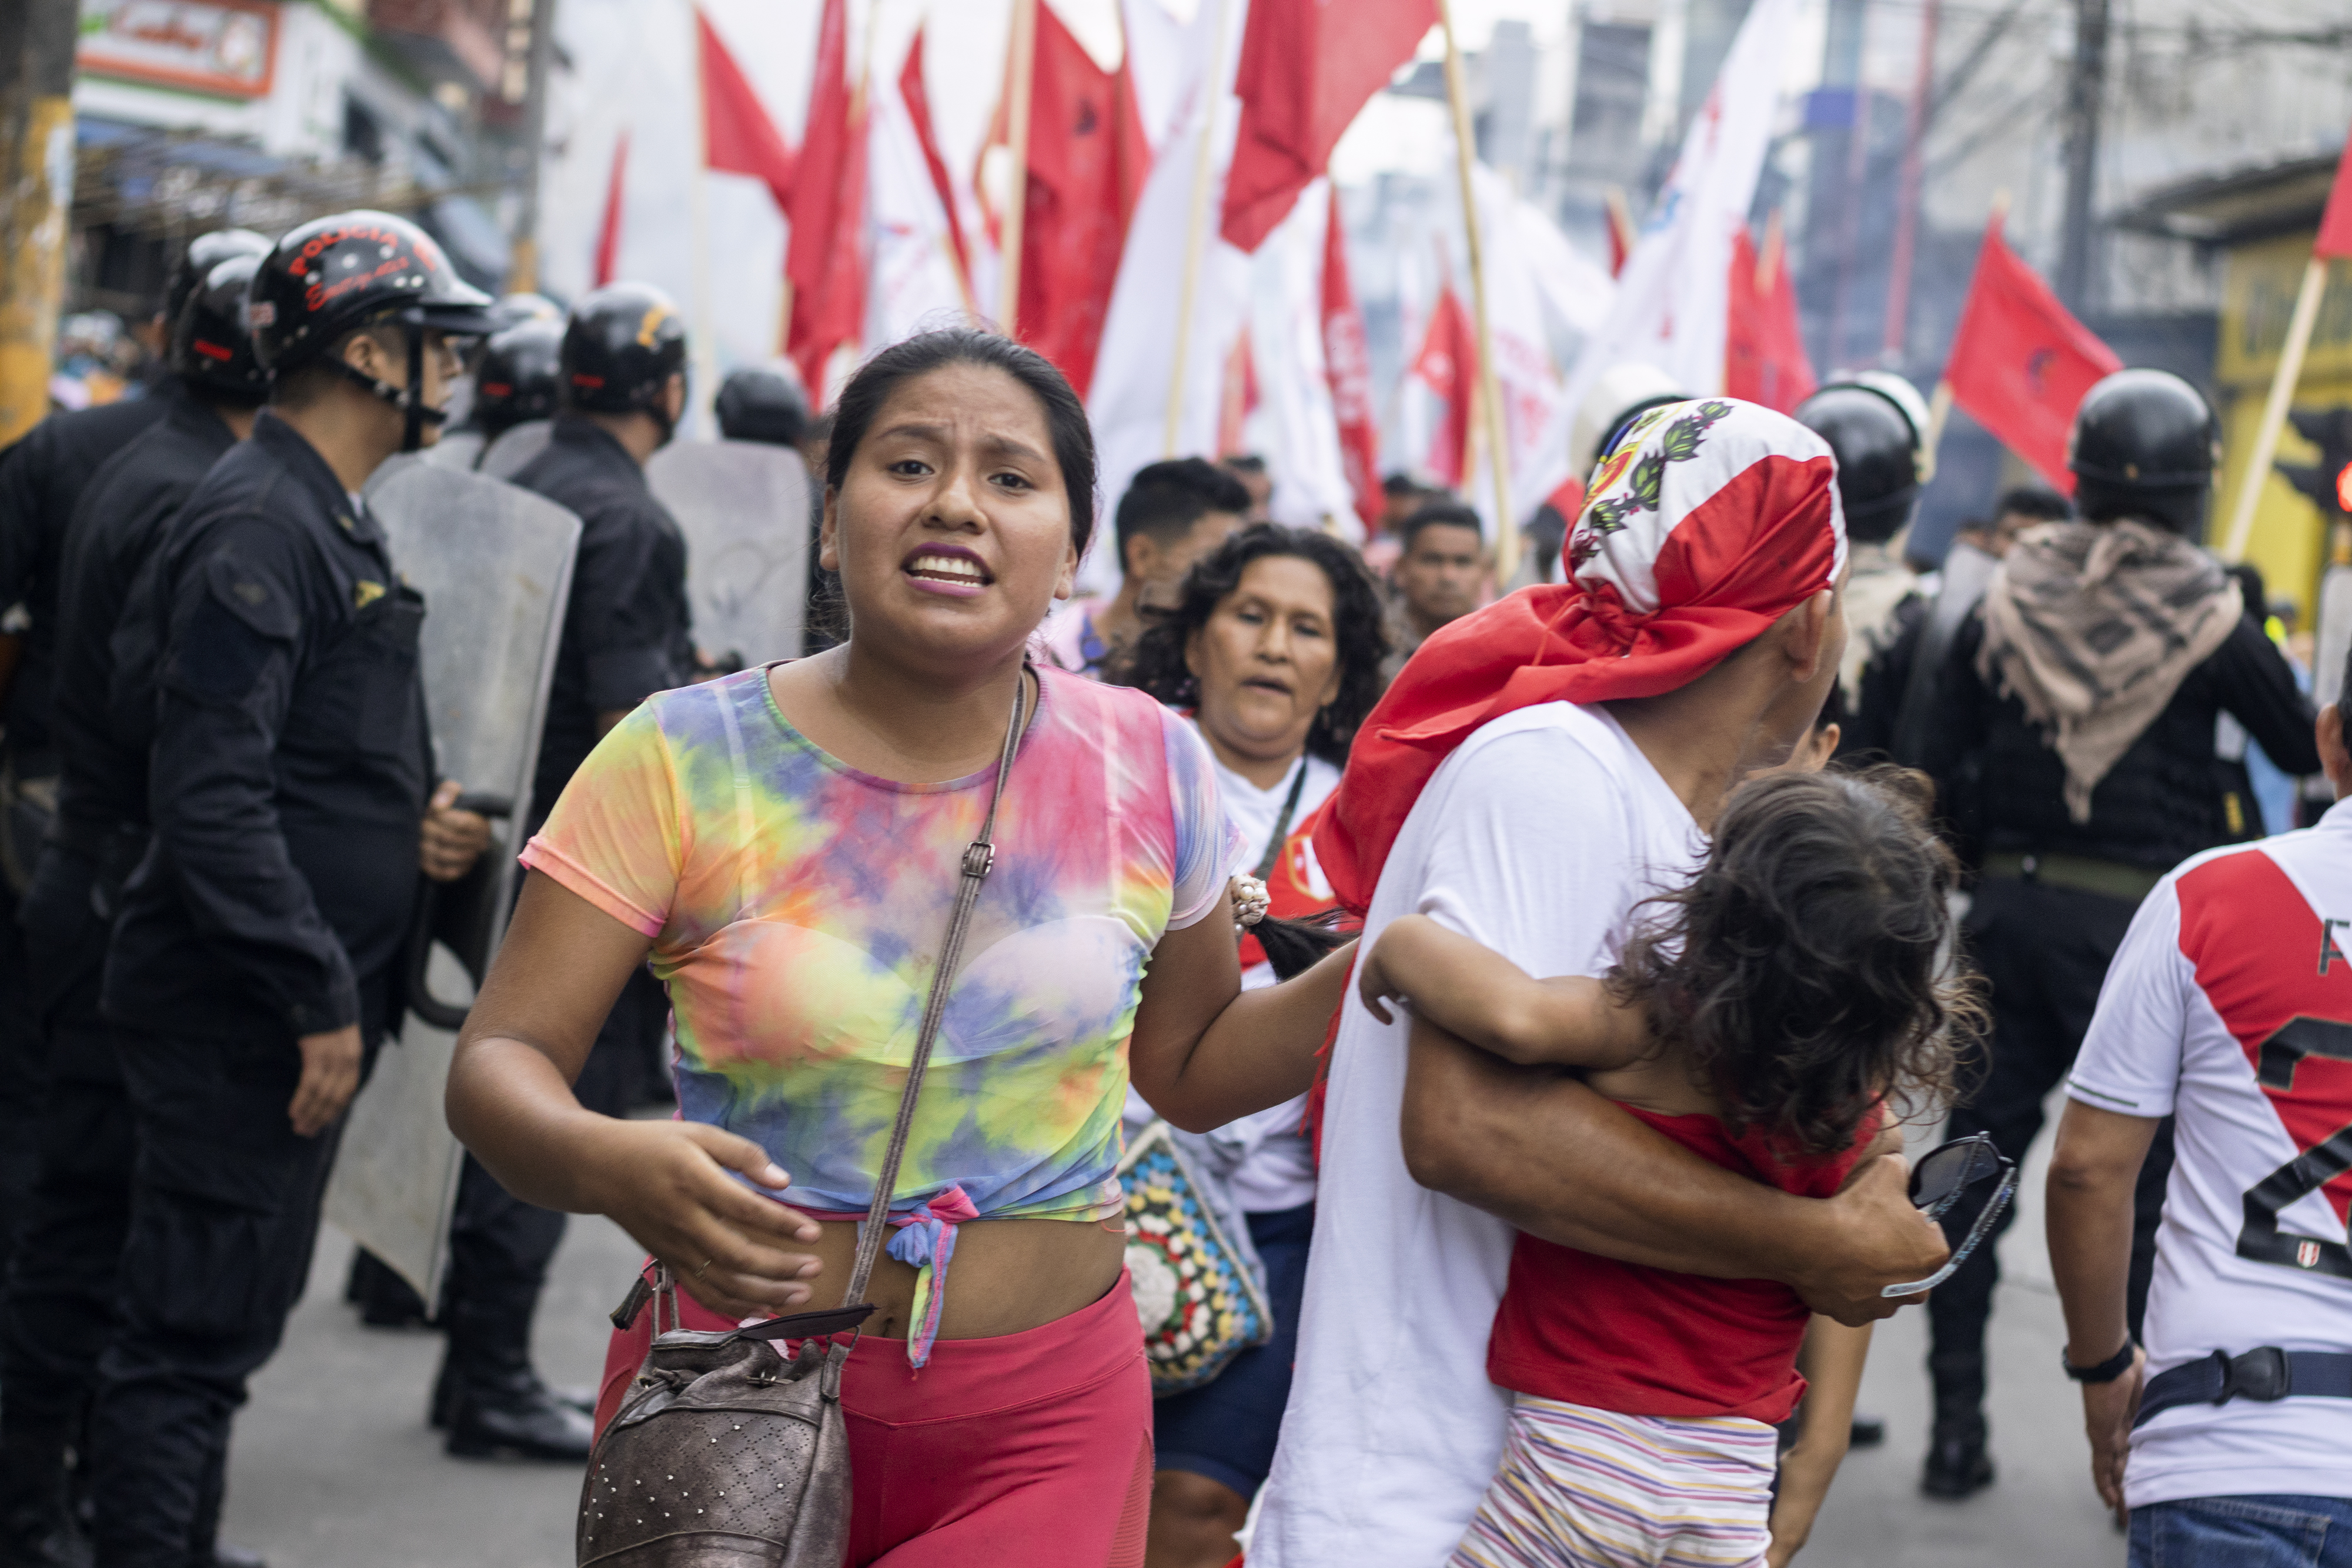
(1710, 521)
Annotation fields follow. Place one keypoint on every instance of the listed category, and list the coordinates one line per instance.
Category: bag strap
(978, 857)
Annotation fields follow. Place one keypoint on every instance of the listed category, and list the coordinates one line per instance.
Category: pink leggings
(1030, 1449)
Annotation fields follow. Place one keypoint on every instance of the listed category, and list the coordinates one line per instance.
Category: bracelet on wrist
(2108, 1371)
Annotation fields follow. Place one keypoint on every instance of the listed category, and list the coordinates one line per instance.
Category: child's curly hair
(1804, 967)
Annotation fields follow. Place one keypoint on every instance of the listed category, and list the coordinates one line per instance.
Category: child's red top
(1588, 1329)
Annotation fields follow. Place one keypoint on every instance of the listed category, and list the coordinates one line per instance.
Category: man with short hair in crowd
(1437, 579)
(2222, 1429)
(1173, 513)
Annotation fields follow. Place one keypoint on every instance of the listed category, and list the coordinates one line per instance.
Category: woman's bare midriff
(1007, 1275)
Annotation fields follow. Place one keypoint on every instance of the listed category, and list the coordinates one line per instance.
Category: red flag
(1238, 399)
(1348, 365)
(2336, 223)
(1448, 365)
(737, 137)
(2020, 362)
(826, 262)
(1621, 233)
(918, 99)
(608, 233)
(1087, 159)
(1306, 67)
(1763, 347)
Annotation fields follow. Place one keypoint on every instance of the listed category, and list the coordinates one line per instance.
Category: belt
(2262, 1375)
(2079, 874)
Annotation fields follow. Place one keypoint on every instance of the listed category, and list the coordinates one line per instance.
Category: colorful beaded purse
(1200, 1303)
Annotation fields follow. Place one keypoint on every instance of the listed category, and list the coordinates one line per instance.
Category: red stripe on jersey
(2263, 958)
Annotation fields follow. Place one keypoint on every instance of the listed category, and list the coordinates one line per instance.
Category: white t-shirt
(2228, 1007)
(1277, 1172)
(1067, 640)
(1536, 837)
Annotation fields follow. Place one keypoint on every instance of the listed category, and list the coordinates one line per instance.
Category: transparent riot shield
(456, 449)
(744, 508)
(514, 448)
(494, 564)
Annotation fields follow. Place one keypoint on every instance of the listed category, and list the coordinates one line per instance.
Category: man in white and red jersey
(2228, 1007)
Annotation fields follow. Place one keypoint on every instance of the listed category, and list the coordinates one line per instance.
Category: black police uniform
(59, 1311)
(2056, 896)
(290, 772)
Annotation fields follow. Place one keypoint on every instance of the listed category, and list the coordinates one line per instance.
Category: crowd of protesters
(1531, 990)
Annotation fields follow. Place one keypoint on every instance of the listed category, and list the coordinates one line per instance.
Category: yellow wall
(2258, 289)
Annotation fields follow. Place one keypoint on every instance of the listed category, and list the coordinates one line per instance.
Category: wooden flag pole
(1195, 239)
(2283, 382)
(1498, 451)
(1019, 74)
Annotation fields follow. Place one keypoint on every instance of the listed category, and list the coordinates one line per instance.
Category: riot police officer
(515, 378)
(253, 966)
(41, 480)
(59, 1310)
(1875, 425)
(2080, 698)
(760, 403)
(622, 367)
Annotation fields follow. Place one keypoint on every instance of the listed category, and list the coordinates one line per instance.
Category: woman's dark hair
(1804, 967)
(1359, 629)
(877, 378)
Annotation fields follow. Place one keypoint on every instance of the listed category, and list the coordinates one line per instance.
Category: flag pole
(1203, 182)
(2283, 384)
(705, 344)
(1507, 528)
(1019, 74)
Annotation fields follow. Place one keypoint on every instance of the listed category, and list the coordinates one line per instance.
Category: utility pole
(522, 272)
(2087, 89)
(37, 170)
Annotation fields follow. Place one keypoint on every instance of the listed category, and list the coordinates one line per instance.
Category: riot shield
(460, 449)
(744, 508)
(514, 448)
(494, 564)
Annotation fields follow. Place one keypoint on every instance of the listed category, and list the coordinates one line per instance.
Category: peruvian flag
(1087, 162)
(1763, 347)
(1447, 365)
(737, 137)
(1306, 67)
(2020, 362)
(1347, 367)
(826, 260)
(916, 96)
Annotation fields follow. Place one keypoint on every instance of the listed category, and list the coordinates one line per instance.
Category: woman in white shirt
(1275, 649)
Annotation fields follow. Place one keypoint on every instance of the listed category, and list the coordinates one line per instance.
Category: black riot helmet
(212, 340)
(2144, 445)
(514, 310)
(355, 270)
(1878, 450)
(621, 347)
(205, 252)
(760, 403)
(516, 378)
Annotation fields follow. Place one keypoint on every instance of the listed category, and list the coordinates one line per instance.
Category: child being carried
(1766, 1015)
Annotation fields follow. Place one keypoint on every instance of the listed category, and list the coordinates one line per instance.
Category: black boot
(37, 1527)
(443, 1408)
(385, 1300)
(1958, 1465)
(496, 1403)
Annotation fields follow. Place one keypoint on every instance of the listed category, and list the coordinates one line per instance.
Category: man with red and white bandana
(2229, 1007)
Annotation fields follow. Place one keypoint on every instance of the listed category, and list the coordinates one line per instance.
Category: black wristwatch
(2108, 1371)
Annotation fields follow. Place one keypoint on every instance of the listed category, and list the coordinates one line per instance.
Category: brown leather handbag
(727, 1453)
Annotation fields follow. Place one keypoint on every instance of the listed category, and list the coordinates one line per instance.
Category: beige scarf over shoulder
(2092, 627)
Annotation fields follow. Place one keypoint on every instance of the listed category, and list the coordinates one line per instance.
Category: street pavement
(334, 1467)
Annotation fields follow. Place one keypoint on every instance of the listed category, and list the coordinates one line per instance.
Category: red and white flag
(1348, 365)
(826, 261)
(919, 276)
(1447, 364)
(2020, 362)
(1306, 67)
(737, 137)
(1764, 355)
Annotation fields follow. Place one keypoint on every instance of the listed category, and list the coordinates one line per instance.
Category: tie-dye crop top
(797, 908)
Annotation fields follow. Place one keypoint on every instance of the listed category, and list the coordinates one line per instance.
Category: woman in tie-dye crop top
(783, 846)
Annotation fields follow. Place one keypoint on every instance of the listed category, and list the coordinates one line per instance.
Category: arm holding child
(1469, 991)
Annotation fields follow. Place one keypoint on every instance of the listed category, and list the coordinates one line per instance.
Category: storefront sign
(226, 46)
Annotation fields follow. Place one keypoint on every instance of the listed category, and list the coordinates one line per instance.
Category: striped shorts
(1580, 1488)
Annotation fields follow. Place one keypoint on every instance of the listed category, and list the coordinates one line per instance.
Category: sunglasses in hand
(1948, 1180)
